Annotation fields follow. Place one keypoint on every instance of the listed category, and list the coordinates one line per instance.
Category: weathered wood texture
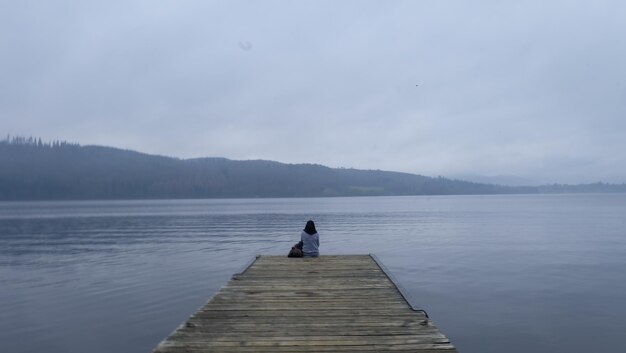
(326, 304)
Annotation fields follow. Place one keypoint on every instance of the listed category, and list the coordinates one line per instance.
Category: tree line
(33, 170)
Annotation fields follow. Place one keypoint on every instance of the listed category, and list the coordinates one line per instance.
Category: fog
(531, 89)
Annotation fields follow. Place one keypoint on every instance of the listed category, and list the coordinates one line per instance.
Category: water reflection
(498, 273)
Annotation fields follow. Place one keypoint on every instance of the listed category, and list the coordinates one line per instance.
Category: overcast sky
(529, 88)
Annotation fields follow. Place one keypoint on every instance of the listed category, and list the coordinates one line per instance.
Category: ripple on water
(518, 272)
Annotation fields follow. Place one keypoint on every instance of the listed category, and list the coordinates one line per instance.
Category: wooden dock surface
(341, 303)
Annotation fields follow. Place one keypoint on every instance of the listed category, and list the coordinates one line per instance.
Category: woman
(310, 240)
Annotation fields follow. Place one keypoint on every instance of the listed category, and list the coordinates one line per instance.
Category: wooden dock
(346, 303)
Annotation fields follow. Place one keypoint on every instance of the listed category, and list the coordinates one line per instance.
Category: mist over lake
(475, 147)
(514, 273)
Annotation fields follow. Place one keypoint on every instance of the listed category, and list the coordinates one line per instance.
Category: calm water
(524, 273)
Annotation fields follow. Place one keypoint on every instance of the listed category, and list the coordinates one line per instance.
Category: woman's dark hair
(310, 228)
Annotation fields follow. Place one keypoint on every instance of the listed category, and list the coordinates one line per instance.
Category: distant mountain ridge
(32, 170)
(506, 180)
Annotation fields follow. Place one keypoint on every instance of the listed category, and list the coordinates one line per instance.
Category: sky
(535, 89)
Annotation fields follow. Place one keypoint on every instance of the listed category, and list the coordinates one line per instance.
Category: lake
(502, 273)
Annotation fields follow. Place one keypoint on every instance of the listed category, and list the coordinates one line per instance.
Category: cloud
(534, 89)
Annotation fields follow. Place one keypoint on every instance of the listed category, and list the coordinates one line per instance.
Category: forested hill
(31, 170)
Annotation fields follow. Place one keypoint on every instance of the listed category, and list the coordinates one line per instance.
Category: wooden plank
(338, 303)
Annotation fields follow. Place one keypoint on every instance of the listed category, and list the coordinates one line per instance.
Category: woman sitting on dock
(310, 240)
